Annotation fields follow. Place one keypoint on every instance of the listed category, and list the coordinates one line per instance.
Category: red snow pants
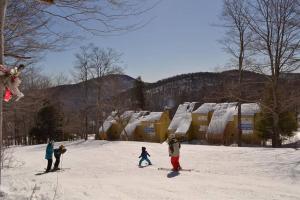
(175, 163)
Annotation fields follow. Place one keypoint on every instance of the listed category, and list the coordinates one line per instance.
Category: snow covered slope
(108, 170)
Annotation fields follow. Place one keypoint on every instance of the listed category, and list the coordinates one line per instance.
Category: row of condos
(215, 123)
(136, 126)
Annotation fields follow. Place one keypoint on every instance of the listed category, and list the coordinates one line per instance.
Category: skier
(57, 154)
(144, 156)
(174, 147)
(49, 155)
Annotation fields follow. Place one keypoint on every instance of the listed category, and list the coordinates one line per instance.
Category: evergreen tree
(264, 121)
(48, 124)
(138, 97)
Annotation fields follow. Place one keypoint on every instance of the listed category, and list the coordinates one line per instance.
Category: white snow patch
(182, 119)
(223, 113)
(152, 117)
(108, 170)
(248, 109)
(205, 108)
(293, 139)
(138, 117)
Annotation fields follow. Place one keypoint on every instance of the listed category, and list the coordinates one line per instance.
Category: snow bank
(223, 113)
(205, 108)
(96, 170)
(293, 139)
(182, 119)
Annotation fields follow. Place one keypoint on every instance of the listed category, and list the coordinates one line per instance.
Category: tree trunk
(3, 5)
(241, 60)
(275, 115)
(239, 137)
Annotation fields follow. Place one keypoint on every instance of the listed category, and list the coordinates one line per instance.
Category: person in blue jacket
(57, 153)
(49, 155)
(144, 156)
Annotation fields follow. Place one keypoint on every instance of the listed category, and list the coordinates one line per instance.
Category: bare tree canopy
(271, 30)
(32, 27)
(276, 27)
(95, 62)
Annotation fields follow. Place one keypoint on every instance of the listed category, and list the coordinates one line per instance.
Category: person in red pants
(174, 152)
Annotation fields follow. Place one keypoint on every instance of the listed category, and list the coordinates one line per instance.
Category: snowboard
(169, 169)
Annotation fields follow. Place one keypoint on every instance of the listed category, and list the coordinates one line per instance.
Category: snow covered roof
(223, 113)
(152, 117)
(205, 108)
(249, 109)
(108, 122)
(182, 119)
(111, 119)
(138, 117)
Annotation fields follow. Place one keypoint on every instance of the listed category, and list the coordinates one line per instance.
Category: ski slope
(96, 170)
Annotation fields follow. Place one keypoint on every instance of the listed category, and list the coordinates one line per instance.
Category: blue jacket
(49, 151)
(144, 154)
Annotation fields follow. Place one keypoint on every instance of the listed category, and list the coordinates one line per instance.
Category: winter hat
(62, 148)
(143, 148)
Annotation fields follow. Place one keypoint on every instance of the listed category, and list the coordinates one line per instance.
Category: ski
(46, 172)
(169, 169)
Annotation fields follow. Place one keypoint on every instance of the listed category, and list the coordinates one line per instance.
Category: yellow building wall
(226, 138)
(114, 132)
(200, 124)
(249, 135)
(102, 136)
(159, 130)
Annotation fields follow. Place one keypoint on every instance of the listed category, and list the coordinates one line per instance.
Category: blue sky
(180, 39)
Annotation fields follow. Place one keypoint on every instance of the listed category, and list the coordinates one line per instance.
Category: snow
(111, 119)
(248, 109)
(138, 117)
(182, 119)
(108, 170)
(205, 108)
(152, 117)
(223, 113)
(293, 139)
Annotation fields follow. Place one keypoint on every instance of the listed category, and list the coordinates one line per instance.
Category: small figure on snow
(57, 154)
(144, 156)
(49, 155)
(174, 148)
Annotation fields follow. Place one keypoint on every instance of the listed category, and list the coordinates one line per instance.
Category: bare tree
(97, 17)
(95, 63)
(33, 78)
(275, 25)
(60, 79)
(104, 62)
(236, 43)
(82, 74)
